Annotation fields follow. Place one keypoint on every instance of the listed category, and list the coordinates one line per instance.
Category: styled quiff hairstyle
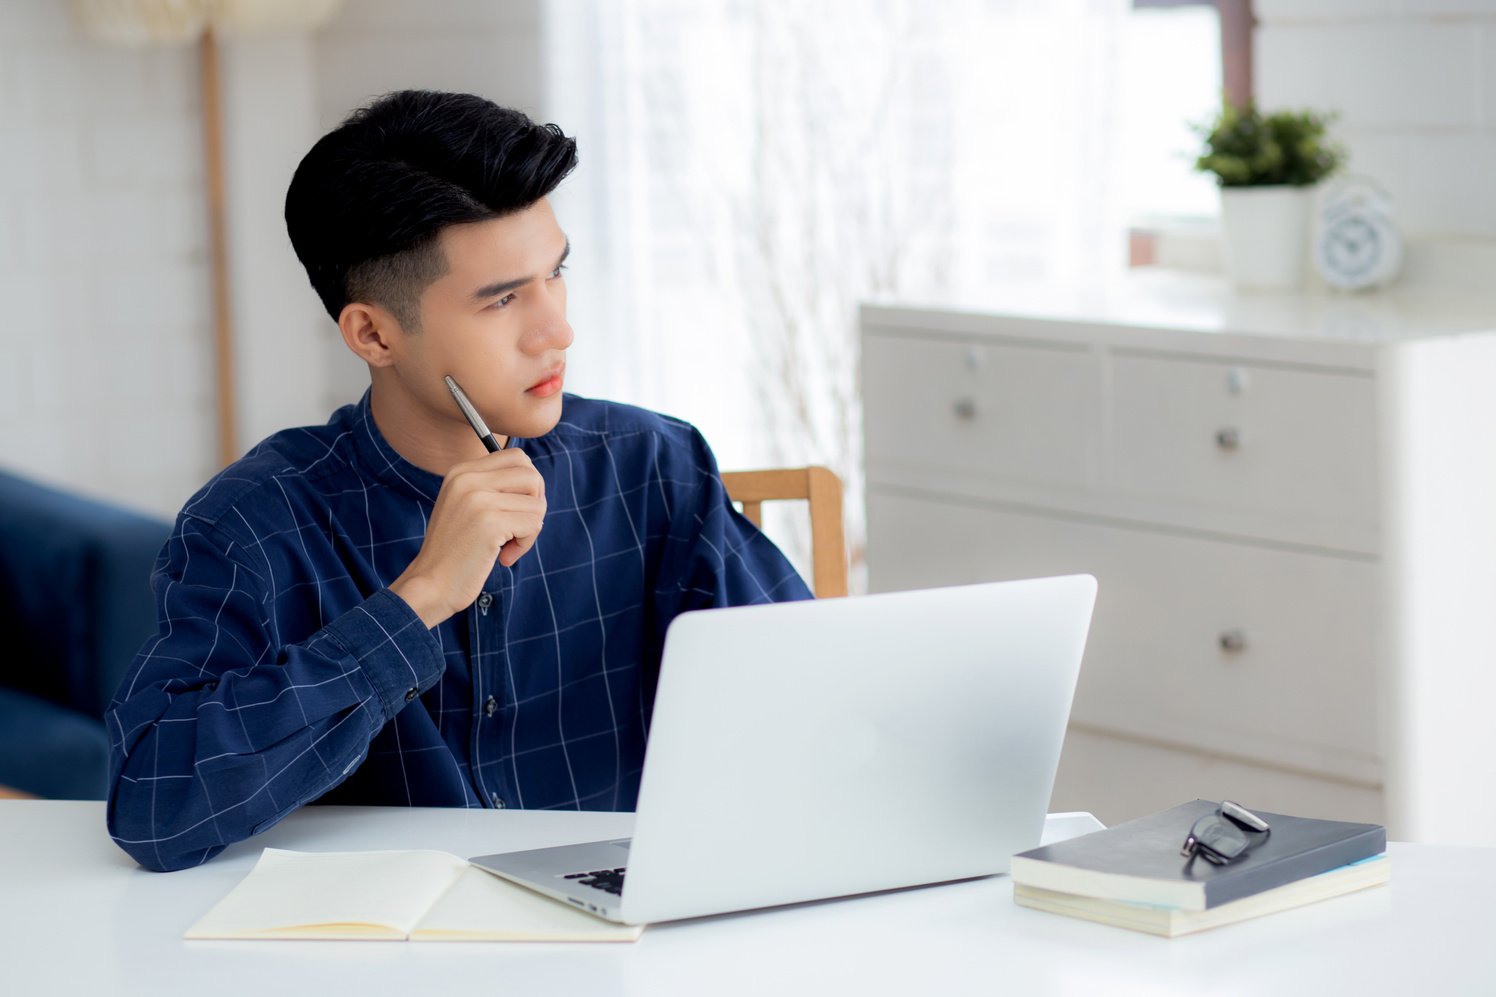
(367, 205)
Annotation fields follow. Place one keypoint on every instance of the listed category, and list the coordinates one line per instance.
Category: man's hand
(488, 510)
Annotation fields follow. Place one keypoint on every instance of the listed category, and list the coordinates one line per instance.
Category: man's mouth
(548, 385)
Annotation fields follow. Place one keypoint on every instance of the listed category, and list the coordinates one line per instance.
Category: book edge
(624, 933)
(1303, 865)
(1119, 886)
(1063, 877)
(325, 931)
(1172, 922)
(355, 931)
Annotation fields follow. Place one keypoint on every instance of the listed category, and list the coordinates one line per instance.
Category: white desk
(78, 917)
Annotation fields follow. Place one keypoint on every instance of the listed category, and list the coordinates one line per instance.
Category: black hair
(368, 202)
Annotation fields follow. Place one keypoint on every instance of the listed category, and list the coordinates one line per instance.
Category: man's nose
(554, 335)
(552, 331)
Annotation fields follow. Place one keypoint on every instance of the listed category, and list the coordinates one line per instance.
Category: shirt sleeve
(219, 730)
(714, 556)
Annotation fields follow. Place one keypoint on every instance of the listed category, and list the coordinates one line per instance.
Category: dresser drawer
(982, 410)
(1163, 661)
(1296, 444)
(1101, 773)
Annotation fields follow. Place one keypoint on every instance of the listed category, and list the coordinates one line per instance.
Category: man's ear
(370, 332)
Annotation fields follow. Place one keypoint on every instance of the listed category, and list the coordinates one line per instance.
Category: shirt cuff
(393, 647)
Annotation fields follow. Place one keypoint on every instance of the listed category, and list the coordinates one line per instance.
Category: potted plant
(1267, 166)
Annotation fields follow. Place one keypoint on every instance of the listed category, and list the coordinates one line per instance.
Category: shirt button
(484, 601)
(411, 694)
(498, 801)
(491, 706)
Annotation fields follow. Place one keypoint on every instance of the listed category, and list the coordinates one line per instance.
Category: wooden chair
(823, 490)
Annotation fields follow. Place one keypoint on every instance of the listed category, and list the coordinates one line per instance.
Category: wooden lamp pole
(223, 322)
(137, 23)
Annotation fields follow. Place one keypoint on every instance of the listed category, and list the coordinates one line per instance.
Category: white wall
(488, 47)
(269, 122)
(106, 366)
(104, 360)
(1415, 84)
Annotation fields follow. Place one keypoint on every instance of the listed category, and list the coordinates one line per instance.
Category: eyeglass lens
(1218, 839)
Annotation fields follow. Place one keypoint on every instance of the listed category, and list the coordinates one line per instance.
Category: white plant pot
(1265, 232)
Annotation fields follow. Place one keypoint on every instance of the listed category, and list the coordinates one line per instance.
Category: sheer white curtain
(752, 170)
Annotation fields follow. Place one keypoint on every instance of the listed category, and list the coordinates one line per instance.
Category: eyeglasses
(1221, 837)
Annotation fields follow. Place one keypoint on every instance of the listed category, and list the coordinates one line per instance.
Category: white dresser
(1289, 502)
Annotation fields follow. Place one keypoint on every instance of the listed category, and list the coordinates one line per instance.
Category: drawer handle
(1234, 641)
(1228, 438)
(966, 408)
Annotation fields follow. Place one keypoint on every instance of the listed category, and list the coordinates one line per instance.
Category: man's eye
(503, 301)
(557, 272)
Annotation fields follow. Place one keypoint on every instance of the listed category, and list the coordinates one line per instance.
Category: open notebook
(422, 896)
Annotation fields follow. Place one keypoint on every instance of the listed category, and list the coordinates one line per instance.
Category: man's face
(496, 322)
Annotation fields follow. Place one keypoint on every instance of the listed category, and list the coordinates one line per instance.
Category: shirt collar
(376, 455)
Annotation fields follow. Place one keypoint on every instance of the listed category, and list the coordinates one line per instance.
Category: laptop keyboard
(607, 880)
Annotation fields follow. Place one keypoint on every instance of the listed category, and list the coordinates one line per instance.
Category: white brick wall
(1414, 82)
(105, 351)
(102, 263)
(487, 47)
(269, 82)
(105, 364)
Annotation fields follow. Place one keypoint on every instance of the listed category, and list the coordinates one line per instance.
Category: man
(369, 611)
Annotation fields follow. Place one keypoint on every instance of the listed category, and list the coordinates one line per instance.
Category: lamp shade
(180, 22)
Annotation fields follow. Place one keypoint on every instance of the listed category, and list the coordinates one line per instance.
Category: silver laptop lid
(818, 749)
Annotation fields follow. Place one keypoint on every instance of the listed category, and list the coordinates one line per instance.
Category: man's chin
(538, 423)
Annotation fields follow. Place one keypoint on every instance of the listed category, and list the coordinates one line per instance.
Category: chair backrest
(823, 490)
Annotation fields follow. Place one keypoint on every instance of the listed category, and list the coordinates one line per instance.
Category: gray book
(1139, 861)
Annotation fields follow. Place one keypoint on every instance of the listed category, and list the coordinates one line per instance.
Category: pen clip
(474, 419)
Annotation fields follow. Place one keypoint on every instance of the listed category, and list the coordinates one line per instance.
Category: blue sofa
(75, 606)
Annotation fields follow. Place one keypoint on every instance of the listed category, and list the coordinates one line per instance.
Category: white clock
(1356, 242)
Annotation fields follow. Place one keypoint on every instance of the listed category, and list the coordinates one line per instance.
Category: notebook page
(483, 907)
(375, 894)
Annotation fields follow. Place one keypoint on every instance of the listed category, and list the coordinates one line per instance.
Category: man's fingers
(499, 495)
(519, 478)
(512, 551)
(492, 461)
(518, 546)
(509, 509)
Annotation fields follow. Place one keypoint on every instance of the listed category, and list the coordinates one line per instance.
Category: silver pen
(474, 419)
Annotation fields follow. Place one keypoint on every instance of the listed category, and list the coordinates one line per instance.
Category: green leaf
(1245, 148)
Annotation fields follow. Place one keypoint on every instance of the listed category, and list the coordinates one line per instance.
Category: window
(1206, 46)
(1171, 81)
(750, 171)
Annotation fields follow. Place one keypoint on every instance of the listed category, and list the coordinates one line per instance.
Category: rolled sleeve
(393, 648)
(222, 728)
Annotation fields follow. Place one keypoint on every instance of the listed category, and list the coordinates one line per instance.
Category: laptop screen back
(808, 750)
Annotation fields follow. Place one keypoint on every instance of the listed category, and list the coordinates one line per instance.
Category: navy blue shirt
(285, 671)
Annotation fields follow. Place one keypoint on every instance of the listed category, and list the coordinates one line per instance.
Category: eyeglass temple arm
(1243, 816)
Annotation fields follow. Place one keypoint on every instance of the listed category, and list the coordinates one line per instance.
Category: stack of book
(1133, 875)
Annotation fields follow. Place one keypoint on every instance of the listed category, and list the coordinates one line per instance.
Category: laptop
(808, 750)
